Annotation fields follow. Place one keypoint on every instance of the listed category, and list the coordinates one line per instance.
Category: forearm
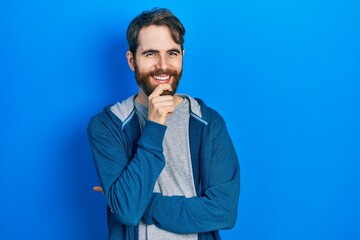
(128, 181)
(213, 211)
(216, 206)
(129, 195)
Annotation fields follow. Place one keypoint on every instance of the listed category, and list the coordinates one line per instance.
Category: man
(166, 163)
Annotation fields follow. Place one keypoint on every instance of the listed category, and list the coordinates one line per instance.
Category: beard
(144, 82)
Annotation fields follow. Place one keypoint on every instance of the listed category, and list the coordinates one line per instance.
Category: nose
(162, 62)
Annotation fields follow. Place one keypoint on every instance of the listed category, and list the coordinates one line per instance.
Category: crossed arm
(215, 208)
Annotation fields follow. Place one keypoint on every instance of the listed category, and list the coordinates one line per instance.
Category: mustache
(162, 72)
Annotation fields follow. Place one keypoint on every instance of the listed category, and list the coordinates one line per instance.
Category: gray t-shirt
(176, 179)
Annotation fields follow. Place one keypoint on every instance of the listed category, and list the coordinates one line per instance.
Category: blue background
(284, 74)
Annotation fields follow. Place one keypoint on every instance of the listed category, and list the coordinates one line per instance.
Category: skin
(157, 50)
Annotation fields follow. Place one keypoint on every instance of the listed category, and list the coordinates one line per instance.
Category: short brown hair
(159, 17)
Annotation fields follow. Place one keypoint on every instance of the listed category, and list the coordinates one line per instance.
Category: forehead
(156, 38)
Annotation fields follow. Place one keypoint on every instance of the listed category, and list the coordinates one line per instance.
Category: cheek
(177, 64)
(145, 66)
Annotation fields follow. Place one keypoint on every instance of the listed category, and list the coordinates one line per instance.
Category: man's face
(158, 60)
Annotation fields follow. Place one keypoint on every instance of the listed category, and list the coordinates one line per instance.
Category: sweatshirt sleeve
(216, 207)
(127, 183)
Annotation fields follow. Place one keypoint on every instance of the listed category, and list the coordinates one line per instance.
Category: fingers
(160, 89)
(160, 106)
(98, 189)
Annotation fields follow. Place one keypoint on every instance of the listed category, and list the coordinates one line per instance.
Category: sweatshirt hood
(125, 110)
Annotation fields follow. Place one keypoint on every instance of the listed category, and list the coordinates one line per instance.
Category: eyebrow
(149, 51)
(174, 50)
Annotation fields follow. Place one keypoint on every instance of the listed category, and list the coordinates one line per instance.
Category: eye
(173, 53)
(149, 54)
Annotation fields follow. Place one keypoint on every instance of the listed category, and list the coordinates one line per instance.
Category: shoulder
(202, 112)
(102, 122)
(114, 115)
(209, 114)
(124, 110)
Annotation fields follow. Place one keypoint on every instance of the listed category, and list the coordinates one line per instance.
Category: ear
(130, 59)
(183, 52)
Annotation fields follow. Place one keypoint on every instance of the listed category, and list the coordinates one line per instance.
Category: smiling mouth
(162, 78)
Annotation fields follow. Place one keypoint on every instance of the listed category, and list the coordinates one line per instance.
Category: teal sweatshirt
(128, 163)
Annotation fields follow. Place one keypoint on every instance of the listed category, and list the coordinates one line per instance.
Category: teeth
(162, 78)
